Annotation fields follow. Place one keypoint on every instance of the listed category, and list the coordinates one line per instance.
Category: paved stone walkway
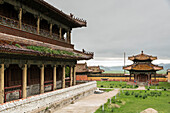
(88, 104)
(141, 88)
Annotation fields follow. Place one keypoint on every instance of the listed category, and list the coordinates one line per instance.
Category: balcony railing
(28, 28)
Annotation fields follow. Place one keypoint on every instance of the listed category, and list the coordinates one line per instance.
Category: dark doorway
(142, 77)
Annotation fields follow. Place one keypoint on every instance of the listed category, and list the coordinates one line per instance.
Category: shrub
(101, 85)
(119, 101)
(113, 101)
(127, 93)
(136, 94)
(164, 89)
(140, 96)
(144, 96)
(132, 93)
(136, 86)
(148, 89)
(111, 86)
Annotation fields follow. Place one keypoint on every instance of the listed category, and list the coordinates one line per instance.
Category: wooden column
(54, 78)
(74, 75)
(155, 77)
(20, 18)
(60, 33)
(71, 75)
(63, 76)
(38, 25)
(51, 29)
(68, 37)
(1, 83)
(24, 81)
(42, 79)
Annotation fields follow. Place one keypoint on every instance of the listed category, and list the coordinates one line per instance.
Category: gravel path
(88, 104)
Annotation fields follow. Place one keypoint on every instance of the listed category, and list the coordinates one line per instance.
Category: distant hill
(119, 69)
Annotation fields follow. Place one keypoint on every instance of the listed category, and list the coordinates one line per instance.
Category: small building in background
(142, 68)
(95, 70)
(168, 75)
(82, 71)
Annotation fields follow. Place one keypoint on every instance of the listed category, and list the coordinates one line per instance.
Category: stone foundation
(31, 90)
(50, 101)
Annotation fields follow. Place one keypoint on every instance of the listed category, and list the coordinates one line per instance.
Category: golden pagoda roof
(143, 67)
(142, 56)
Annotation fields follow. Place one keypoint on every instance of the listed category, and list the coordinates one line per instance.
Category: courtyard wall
(50, 101)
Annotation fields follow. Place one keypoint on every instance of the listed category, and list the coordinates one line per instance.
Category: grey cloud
(117, 26)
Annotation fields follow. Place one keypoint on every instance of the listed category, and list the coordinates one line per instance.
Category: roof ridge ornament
(142, 52)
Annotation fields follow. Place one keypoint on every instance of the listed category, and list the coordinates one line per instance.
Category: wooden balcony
(10, 26)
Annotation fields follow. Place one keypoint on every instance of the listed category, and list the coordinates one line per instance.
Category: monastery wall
(122, 79)
(49, 102)
(31, 90)
(169, 76)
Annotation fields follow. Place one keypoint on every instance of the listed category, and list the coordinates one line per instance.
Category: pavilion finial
(141, 52)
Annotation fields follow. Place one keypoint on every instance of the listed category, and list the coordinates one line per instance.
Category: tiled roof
(71, 18)
(94, 69)
(142, 56)
(81, 67)
(7, 46)
(143, 66)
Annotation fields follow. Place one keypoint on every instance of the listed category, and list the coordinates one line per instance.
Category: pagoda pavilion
(36, 48)
(142, 68)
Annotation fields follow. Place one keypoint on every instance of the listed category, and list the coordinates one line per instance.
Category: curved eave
(148, 68)
(73, 22)
(21, 52)
(142, 58)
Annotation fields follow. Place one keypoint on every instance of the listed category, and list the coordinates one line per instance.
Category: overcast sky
(118, 26)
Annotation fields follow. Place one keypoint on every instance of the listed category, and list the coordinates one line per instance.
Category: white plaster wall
(32, 103)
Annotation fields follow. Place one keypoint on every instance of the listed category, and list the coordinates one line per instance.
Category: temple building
(142, 68)
(83, 71)
(36, 48)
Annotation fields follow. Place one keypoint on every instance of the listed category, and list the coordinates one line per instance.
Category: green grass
(162, 85)
(113, 84)
(49, 50)
(158, 100)
(107, 90)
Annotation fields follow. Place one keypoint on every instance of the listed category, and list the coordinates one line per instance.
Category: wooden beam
(24, 81)
(20, 18)
(38, 25)
(51, 29)
(1, 83)
(42, 79)
(54, 78)
(74, 75)
(63, 76)
(71, 75)
(60, 33)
